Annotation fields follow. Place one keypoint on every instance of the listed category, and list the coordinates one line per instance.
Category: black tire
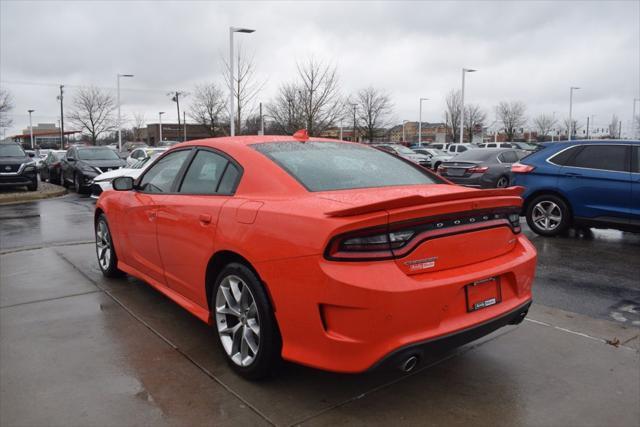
(63, 181)
(55, 179)
(42, 178)
(33, 186)
(435, 167)
(550, 200)
(502, 181)
(77, 186)
(267, 358)
(110, 268)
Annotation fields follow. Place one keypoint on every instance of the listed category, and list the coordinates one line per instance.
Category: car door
(68, 164)
(188, 218)
(140, 209)
(635, 187)
(597, 181)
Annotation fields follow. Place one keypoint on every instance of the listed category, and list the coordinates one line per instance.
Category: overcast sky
(528, 51)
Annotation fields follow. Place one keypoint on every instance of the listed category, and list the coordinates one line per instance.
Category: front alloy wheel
(107, 259)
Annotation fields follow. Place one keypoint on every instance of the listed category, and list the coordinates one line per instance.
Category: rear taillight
(399, 239)
(521, 168)
(478, 169)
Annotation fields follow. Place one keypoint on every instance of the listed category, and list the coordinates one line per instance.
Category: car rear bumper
(475, 180)
(367, 312)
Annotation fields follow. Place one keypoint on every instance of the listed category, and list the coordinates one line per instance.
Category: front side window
(204, 173)
(327, 166)
(603, 157)
(159, 178)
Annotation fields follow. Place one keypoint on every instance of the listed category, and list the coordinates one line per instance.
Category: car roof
(256, 139)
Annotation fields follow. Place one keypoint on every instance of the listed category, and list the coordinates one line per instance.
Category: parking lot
(78, 349)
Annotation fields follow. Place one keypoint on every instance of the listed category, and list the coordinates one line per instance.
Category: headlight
(29, 168)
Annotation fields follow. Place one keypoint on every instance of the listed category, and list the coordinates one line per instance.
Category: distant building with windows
(431, 132)
(173, 132)
(45, 135)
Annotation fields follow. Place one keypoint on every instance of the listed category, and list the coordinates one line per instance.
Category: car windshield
(97, 154)
(11, 150)
(326, 166)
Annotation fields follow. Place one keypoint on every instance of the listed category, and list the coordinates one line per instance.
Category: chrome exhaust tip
(409, 364)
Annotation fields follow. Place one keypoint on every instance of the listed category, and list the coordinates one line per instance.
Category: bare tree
(453, 109)
(287, 109)
(576, 126)
(209, 108)
(512, 116)
(313, 102)
(92, 111)
(544, 123)
(139, 123)
(374, 108)
(474, 116)
(245, 84)
(6, 105)
(614, 127)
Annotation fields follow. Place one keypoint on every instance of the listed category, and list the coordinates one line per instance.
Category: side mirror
(32, 155)
(122, 183)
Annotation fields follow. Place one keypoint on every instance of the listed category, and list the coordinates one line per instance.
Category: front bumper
(349, 317)
(11, 180)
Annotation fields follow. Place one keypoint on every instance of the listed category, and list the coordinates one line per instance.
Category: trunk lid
(452, 226)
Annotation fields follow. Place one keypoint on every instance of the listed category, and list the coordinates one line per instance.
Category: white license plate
(455, 172)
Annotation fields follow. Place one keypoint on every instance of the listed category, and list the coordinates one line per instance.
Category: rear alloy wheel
(502, 182)
(107, 259)
(548, 215)
(246, 326)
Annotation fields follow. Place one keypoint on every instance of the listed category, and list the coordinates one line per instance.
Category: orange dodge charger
(330, 254)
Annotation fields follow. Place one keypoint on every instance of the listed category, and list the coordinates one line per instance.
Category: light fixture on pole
(464, 71)
(160, 126)
(420, 123)
(231, 107)
(119, 118)
(403, 134)
(570, 133)
(31, 128)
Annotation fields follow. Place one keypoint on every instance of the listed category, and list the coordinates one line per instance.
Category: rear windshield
(326, 166)
(477, 155)
(98, 154)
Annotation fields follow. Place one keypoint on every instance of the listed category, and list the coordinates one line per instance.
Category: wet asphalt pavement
(78, 349)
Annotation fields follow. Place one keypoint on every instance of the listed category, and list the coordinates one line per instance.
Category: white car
(102, 182)
(143, 153)
(455, 149)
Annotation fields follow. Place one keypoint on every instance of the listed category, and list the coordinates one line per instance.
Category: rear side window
(603, 157)
(204, 173)
(326, 166)
(509, 157)
(563, 157)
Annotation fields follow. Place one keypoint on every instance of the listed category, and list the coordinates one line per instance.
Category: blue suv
(589, 183)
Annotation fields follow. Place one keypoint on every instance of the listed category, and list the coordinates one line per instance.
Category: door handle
(152, 215)
(205, 219)
(573, 174)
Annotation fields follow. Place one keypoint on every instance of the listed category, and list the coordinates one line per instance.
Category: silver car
(482, 168)
(436, 157)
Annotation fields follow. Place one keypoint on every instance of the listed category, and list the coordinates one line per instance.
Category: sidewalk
(76, 349)
(19, 195)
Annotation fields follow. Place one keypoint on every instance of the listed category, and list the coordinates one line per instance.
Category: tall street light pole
(635, 122)
(464, 71)
(31, 128)
(420, 122)
(353, 137)
(571, 89)
(61, 99)
(403, 134)
(119, 118)
(232, 114)
(160, 117)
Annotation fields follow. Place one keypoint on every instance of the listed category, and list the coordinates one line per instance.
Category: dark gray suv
(17, 169)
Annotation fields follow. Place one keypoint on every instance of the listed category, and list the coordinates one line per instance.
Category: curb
(30, 197)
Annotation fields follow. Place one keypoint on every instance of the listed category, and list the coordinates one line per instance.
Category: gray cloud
(530, 51)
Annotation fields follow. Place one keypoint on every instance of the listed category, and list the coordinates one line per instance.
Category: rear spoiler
(415, 200)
